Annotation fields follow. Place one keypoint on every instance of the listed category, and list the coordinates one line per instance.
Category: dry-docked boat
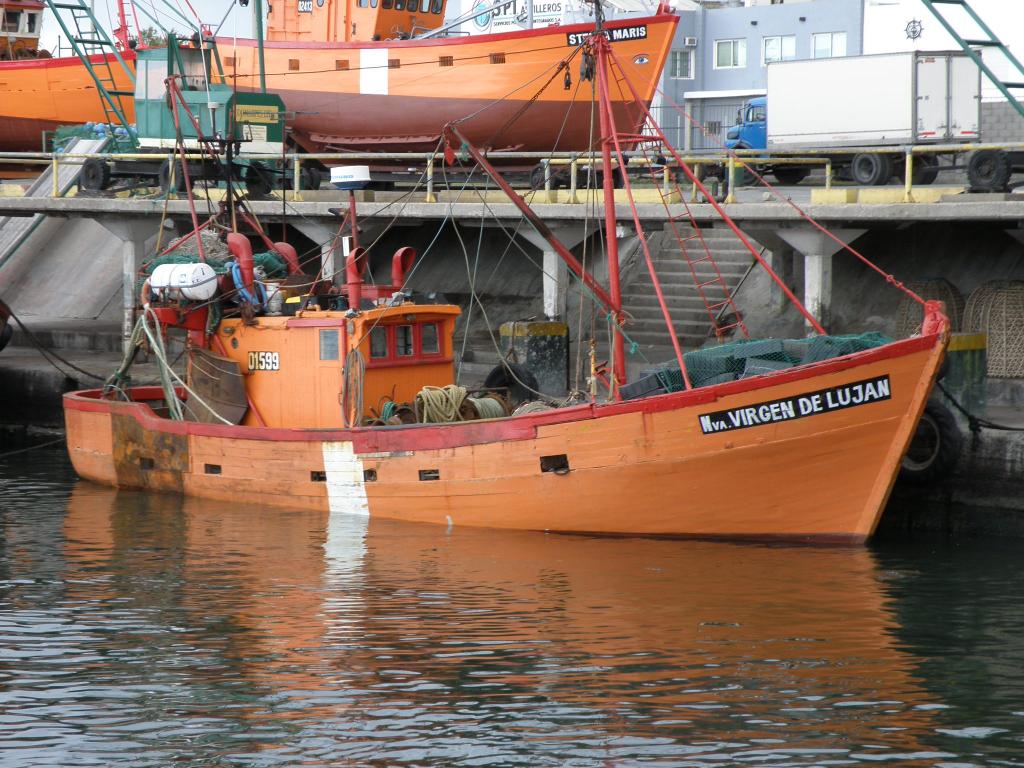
(358, 76)
(337, 407)
(363, 83)
(39, 93)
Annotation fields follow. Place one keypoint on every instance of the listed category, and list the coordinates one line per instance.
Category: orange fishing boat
(350, 406)
(39, 93)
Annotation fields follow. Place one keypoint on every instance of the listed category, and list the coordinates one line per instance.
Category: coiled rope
(487, 407)
(440, 405)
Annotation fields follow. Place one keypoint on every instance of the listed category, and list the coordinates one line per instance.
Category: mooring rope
(440, 405)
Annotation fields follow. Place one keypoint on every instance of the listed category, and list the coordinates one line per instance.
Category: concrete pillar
(817, 249)
(135, 236)
(556, 273)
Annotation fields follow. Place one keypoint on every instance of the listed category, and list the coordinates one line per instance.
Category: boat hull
(672, 465)
(38, 95)
(398, 95)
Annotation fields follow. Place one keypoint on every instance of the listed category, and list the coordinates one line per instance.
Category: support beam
(135, 236)
(556, 273)
(817, 249)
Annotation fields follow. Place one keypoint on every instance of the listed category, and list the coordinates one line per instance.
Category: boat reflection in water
(351, 638)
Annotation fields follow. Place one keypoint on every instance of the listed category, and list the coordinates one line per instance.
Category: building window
(730, 54)
(680, 65)
(781, 48)
(827, 45)
(436, 6)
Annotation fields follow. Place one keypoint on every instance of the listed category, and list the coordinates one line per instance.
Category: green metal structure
(88, 40)
(971, 45)
(222, 114)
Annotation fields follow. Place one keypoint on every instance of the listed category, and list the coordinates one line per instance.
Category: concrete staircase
(690, 316)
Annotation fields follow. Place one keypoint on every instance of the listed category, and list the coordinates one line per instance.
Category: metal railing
(412, 166)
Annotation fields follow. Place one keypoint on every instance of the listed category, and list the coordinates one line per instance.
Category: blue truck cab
(751, 129)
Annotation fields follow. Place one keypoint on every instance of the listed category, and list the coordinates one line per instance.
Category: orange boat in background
(355, 79)
(353, 90)
(39, 93)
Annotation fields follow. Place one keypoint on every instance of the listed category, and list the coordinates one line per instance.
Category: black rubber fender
(935, 448)
(515, 379)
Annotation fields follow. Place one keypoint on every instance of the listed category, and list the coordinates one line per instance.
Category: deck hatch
(558, 463)
(430, 474)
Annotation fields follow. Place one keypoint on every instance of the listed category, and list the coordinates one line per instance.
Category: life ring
(935, 448)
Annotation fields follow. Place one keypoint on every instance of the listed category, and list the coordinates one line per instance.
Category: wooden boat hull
(693, 463)
(397, 95)
(38, 95)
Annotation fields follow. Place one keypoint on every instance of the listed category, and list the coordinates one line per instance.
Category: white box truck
(879, 101)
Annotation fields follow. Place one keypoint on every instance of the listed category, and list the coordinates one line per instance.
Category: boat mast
(599, 44)
(258, 23)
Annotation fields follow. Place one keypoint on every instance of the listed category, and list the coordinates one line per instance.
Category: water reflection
(150, 629)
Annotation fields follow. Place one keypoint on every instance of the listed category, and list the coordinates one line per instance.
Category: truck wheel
(164, 176)
(871, 170)
(926, 169)
(309, 178)
(95, 175)
(989, 170)
(257, 181)
(790, 175)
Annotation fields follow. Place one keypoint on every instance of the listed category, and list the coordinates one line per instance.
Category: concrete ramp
(15, 230)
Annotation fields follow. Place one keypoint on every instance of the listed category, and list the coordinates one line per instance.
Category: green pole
(258, 10)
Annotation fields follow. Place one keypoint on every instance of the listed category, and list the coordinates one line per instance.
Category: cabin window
(212, 469)
(293, 65)
(373, 3)
(414, 5)
(446, 61)
(10, 21)
(30, 22)
(328, 344)
(428, 339)
(379, 342)
(497, 58)
(399, 5)
(341, 64)
(363, 3)
(403, 341)
(386, 4)
(436, 6)
(394, 63)
(369, 475)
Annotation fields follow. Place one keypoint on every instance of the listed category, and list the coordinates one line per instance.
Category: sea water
(149, 630)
